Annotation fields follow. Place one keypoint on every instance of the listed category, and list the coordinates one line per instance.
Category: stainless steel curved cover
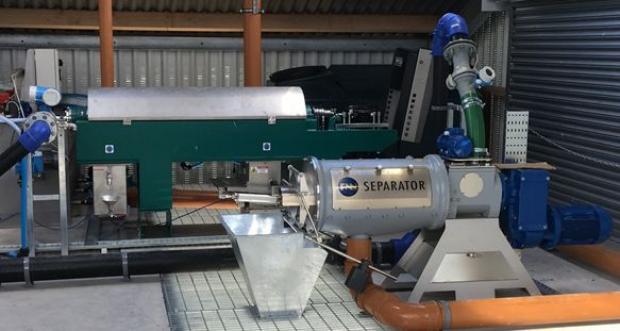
(195, 103)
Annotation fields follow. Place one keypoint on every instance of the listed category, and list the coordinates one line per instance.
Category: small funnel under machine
(280, 266)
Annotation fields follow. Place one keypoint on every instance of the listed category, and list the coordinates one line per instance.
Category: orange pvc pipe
(536, 310)
(597, 256)
(387, 308)
(252, 52)
(106, 47)
(192, 195)
(359, 248)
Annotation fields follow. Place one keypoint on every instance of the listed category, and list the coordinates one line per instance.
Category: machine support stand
(471, 259)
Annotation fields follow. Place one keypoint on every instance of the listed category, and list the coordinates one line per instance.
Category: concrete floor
(93, 304)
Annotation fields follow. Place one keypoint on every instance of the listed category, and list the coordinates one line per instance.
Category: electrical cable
(4, 219)
(70, 227)
(574, 153)
(16, 94)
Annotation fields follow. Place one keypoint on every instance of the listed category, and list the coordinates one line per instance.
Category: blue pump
(448, 27)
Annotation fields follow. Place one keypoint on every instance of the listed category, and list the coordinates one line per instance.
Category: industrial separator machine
(319, 172)
(459, 203)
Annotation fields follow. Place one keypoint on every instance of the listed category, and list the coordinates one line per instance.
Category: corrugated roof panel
(271, 6)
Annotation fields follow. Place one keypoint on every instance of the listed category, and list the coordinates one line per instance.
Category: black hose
(111, 264)
(11, 156)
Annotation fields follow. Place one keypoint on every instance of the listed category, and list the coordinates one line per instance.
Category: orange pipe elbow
(388, 309)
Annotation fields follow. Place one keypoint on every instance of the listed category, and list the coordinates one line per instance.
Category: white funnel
(280, 267)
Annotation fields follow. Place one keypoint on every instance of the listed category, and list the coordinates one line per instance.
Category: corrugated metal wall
(565, 69)
(141, 67)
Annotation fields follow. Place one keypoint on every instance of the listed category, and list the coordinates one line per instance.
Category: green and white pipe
(461, 54)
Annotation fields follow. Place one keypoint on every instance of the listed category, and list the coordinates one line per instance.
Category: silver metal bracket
(516, 133)
(27, 278)
(125, 264)
(45, 197)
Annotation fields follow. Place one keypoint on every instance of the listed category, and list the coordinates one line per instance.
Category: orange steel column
(252, 52)
(106, 50)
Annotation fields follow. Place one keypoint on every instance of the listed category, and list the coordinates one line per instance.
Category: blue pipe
(24, 172)
(31, 140)
(448, 27)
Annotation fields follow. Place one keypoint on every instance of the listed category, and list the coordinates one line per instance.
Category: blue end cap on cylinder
(35, 136)
(454, 144)
(449, 26)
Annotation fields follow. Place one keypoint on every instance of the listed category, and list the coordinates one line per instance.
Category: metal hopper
(280, 266)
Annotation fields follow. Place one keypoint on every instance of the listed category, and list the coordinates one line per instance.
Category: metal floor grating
(203, 216)
(219, 300)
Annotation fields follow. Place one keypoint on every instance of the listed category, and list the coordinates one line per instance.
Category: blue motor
(528, 221)
(454, 144)
(577, 225)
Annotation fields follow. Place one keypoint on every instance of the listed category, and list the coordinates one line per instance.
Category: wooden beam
(208, 22)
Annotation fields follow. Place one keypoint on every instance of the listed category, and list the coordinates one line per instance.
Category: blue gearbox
(529, 221)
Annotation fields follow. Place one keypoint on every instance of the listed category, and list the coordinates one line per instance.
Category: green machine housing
(153, 127)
